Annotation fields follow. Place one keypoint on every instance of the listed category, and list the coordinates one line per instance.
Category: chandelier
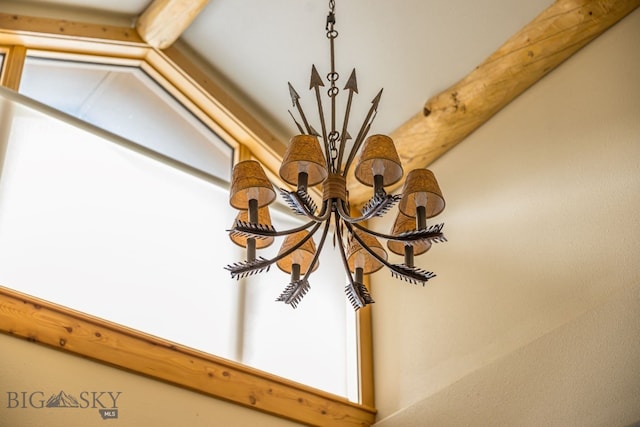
(307, 164)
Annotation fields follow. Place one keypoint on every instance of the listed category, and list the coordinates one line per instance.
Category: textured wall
(542, 221)
(585, 373)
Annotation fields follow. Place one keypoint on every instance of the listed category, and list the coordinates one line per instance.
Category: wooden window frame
(80, 334)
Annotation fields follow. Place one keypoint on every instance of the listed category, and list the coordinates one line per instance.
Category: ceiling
(412, 48)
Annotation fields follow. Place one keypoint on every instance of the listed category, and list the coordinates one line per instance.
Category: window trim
(43, 322)
(46, 323)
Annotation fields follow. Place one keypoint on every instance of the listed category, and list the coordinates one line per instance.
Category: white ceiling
(411, 48)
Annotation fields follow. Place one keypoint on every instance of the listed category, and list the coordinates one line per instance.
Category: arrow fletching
(413, 275)
(294, 292)
(248, 268)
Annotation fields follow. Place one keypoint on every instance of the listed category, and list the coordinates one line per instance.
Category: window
(87, 219)
(204, 106)
(125, 101)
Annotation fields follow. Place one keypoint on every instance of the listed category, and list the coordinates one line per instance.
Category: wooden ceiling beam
(535, 50)
(164, 21)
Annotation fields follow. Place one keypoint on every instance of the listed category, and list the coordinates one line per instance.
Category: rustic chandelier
(306, 164)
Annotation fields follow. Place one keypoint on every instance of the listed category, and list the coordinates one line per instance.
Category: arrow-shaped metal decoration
(315, 83)
(412, 275)
(358, 295)
(349, 229)
(247, 268)
(352, 87)
(298, 125)
(295, 99)
(294, 292)
(366, 125)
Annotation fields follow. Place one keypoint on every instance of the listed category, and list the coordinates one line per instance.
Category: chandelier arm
(372, 252)
(432, 234)
(375, 233)
(357, 298)
(316, 256)
(347, 218)
(404, 272)
(296, 290)
(243, 269)
(296, 246)
(247, 230)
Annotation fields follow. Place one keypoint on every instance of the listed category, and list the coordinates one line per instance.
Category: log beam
(163, 21)
(530, 54)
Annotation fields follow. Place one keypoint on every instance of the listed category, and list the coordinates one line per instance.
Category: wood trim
(69, 29)
(163, 21)
(12, 67)
(46, 323)
(530, 54)
(365, 354)
(70, 37)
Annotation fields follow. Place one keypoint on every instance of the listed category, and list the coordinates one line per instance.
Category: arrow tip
(376, 100)
(293, 93)
(352, 82)
(316, 80)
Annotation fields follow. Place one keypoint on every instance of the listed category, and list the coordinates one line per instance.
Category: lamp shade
(303, 155)
(264, 218)
(379, 153)
(302, 256)
(249, 181)
(421, 181)
(368, 263)
(402, 224)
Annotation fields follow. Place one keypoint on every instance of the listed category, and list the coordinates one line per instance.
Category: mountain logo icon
(62, 400)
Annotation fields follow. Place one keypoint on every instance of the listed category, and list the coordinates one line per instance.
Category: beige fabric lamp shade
(302, 256)
(370, 264)
(249, 181)
(379, 152)
(402, 224)
(264, 218)
(303, 154)
(421, 181)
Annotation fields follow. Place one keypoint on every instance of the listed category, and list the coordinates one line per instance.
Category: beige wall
(29, 367)
(536, 299)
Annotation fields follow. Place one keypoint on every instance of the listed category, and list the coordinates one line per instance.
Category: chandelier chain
(333, 90)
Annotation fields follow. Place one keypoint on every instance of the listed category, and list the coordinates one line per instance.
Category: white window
(92, 224)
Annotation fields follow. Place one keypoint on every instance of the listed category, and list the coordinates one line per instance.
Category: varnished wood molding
(45, 323)
(12, 67)
(165, 20)
(68, 29)
(535, 50)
